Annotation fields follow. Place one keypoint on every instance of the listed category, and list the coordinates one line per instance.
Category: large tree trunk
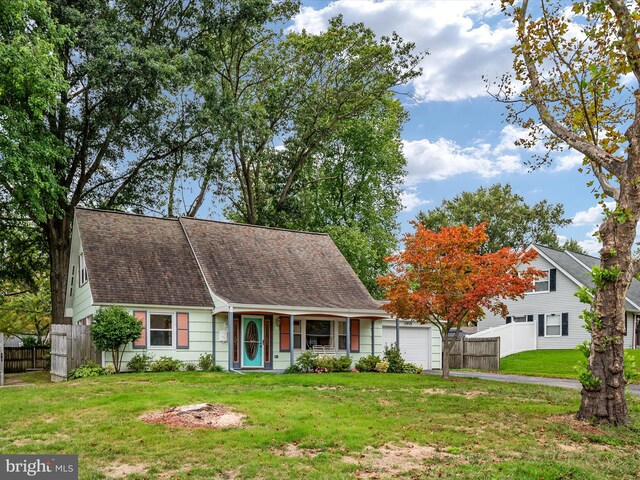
(58, 233)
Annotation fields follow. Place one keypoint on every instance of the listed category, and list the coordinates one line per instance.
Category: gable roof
(135, 259)
(579, 267)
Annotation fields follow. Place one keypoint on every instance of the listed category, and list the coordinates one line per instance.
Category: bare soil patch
(292, 450)
(202, 415)
(393, 460)
(575, 424)
(120, 470)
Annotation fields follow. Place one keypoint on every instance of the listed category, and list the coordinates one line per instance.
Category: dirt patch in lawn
(120, 470)
(575, 424)
(393, 460)
(202, 415)
(441, 391)
(292, 450)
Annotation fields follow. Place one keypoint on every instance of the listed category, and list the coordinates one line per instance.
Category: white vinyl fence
(514, 337)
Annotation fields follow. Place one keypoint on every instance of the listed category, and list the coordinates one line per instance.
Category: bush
(113, 328)
(412, 368)
(190, 367)
(307, 361)
(368, 364)
(382, 366)
(205, 362)
(109, 369)
(394, 358)
(341, 364)
(167, 364)
(89, 369)
(140, 362)
(324, 364)
(295, 368)
(216, 368)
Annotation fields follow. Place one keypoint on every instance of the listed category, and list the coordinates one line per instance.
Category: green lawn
(547, 363)
(318, 427)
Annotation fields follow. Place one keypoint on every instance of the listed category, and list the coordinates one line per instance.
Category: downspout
(213, 336)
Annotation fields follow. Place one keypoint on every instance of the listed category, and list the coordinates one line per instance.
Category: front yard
(318, 426)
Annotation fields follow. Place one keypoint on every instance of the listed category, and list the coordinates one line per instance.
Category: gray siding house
(552, 312)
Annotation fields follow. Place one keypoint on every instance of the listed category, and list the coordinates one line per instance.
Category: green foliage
(601, 276)
(631, 372)
(573, 246)
(89, 369)
(190, 367)
(25, 311)
(307, 361)
(341, 364)
(412, 368)
(511, 221)
(206, 361)
(382, 366)
(588, 380)
(109, 369)
(393, 356)
(368, 363)
(140, 362)
(295, 368)
(166, 364)
(585, 295)
(113, 328)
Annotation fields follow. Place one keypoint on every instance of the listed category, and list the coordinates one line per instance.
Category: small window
(553, 325)
(161, 330)
(542, 284)
(319, 333)
(297, 334)
(83, 278)
(342, 335)
(73, 280)
(519, 319)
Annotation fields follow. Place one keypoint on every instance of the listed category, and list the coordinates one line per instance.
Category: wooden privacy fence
(1, 359)
(22, 359)
(71, 346)
(475, 353)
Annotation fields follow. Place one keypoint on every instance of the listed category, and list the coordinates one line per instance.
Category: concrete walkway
(549, 382)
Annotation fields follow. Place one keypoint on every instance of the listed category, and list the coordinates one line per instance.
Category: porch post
(373, 337)
(348, 342)
(397, 333)
(231, 337)
(292, 358)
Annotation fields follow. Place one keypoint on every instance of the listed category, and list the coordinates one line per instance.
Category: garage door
(415, 343)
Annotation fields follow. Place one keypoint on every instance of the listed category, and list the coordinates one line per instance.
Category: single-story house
(254, 297)
(549, 316)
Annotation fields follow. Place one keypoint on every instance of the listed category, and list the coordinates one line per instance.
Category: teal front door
(252, 356)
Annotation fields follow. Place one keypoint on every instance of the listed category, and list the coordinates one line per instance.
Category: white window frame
(559, 324)
(83, 276)
(548, 279)
(524, 317)
(173, 331)
(334, 332)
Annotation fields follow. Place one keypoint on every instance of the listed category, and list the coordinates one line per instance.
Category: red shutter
(183, 330)
(142, 341)
(285, 344)
(355, 335)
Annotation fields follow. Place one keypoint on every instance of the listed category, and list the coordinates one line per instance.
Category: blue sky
(456, 138)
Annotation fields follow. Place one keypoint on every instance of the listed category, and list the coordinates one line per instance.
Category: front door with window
(252, 331)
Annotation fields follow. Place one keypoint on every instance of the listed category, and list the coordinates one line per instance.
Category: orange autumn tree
(441, 278)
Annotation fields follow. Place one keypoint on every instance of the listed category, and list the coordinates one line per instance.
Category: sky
(456, 138)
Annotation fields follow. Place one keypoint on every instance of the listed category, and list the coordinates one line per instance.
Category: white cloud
(591, 216)
(410, 199)
(462, 45)
(591, 244)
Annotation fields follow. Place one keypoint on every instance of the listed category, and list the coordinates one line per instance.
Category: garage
(415, 343)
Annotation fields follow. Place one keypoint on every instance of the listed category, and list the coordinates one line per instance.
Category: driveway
(549, 382)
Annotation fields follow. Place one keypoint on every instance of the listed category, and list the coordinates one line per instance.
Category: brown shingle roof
(133, 259)
(267, 266)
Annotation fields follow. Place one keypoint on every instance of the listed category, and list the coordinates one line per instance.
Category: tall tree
(511, 222)
(279, 99)
(442, 278)
(95, 96)
(581, 72)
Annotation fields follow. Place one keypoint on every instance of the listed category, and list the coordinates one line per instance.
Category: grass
(547, 363)
(328, 424)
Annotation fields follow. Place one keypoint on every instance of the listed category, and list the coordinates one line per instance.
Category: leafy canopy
(511, 222)
(113, 328)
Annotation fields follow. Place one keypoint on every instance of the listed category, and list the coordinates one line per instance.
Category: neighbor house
(549, 316)
(254, 297)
